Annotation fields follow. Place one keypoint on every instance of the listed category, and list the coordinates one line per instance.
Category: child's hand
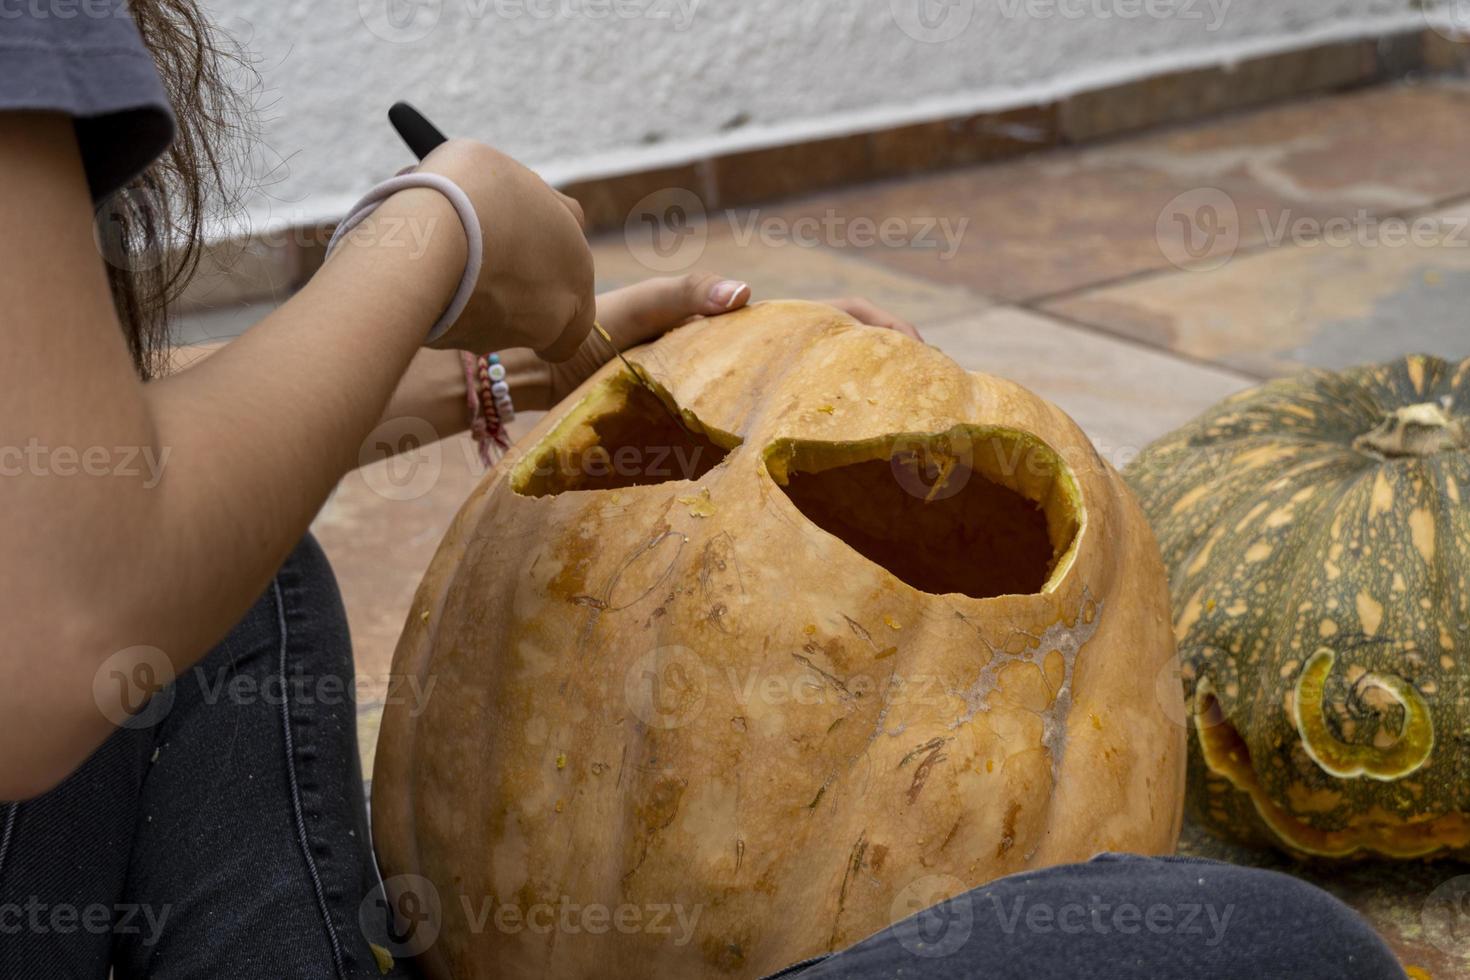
(535, 288)
(637, 314)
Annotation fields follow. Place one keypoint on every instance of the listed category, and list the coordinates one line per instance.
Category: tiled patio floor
(1072, 278)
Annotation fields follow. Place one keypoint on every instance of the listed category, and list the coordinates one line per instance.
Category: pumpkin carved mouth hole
(1227, 755)
(620, 436)
(975, 511)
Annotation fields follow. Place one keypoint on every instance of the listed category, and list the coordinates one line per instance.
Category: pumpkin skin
(822, 748)
(1315, 533)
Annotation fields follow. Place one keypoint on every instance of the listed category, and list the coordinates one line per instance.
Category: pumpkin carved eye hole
(619, 436)
(975, 512)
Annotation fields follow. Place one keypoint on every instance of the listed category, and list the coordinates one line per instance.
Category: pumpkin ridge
(775, 372)
(1238, 507)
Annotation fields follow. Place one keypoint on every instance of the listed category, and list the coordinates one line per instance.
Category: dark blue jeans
(1123, 916)
(226, 837)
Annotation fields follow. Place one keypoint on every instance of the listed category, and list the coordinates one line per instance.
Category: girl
(206, 836)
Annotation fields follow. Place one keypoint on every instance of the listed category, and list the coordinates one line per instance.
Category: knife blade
(677, 419)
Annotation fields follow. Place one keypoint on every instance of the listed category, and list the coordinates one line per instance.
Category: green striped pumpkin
(1318, 543)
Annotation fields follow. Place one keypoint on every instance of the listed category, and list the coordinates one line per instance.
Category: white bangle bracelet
(467, 217)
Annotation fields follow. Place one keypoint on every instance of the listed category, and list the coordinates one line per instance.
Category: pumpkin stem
(1415, 430)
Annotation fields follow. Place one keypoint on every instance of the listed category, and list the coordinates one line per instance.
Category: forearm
(260, 433)
(434, 387)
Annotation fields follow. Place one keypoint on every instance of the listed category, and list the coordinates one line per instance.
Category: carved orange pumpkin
(882, 631)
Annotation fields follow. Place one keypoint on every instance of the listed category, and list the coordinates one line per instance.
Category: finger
(865, 312)
(664, 302)
(710, 295)
(647, 309)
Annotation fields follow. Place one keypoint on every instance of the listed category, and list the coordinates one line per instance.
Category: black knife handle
(421, 135)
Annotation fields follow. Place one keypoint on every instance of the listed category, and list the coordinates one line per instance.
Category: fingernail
(727, 293)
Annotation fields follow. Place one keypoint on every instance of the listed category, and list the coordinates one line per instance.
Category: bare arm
(250, 441)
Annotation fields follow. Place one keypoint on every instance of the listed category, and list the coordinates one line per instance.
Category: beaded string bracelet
(487, 395)
(492, 378)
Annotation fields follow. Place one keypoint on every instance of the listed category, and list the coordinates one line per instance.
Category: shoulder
(86, 59)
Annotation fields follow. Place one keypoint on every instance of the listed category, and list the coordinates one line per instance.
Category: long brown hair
(156, 224)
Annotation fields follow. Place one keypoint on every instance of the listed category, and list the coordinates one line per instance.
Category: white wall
(583, 87)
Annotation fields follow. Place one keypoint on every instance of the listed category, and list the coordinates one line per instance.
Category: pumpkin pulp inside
(978, 511)
(620, 436)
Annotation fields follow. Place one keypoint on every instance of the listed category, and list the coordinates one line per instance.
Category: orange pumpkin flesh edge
(726, 695)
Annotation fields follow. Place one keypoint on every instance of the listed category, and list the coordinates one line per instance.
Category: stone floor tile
(1053, 224)
(1368, 296)
(1122, 394)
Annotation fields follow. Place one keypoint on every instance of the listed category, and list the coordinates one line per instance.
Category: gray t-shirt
(86, 59)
